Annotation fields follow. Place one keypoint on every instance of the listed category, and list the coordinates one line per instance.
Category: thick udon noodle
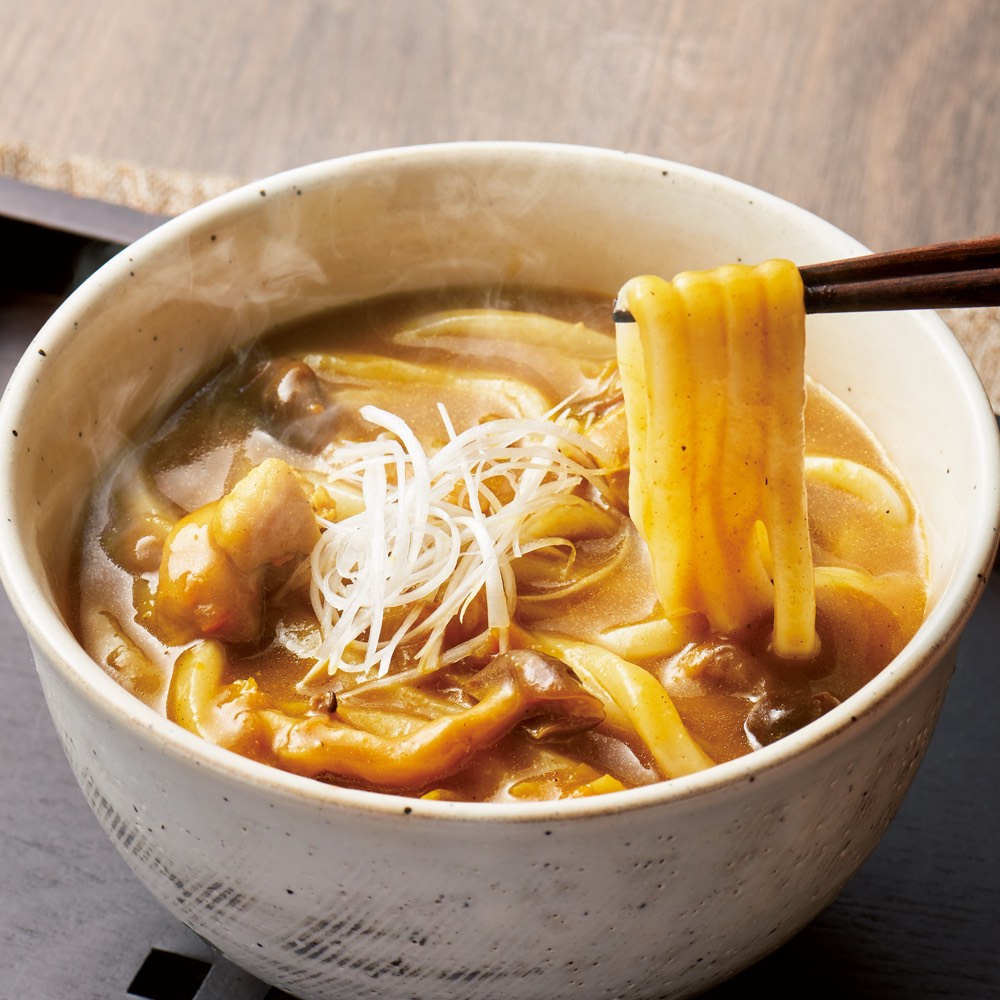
(403, 546)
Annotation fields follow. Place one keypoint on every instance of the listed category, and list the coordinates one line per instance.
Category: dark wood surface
(881, 115)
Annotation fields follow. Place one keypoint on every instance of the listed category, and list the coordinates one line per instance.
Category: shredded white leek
(434, 535)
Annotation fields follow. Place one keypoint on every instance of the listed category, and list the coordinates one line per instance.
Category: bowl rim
(52, 637)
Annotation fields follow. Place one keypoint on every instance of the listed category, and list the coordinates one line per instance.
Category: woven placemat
(147, 189)
(169, 192)
(978, 330)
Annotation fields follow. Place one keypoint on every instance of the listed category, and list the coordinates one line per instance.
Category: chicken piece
(212, 574)
(265, 519)
(200, 591)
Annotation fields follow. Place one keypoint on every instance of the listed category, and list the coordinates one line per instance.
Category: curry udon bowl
(329, 892)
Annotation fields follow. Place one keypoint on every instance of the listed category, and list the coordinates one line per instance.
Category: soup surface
(391, 548)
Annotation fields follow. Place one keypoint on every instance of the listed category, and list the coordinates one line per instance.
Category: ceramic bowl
(660, 891)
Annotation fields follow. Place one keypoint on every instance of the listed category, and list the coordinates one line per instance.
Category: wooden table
(881, 115)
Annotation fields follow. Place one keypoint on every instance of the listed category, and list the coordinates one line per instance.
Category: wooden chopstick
(942, 276)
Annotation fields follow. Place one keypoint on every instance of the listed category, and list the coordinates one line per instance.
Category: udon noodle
(483, 546)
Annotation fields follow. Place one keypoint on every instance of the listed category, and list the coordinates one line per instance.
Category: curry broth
(732, 692)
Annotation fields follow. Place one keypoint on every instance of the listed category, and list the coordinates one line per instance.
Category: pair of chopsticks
(942, 276)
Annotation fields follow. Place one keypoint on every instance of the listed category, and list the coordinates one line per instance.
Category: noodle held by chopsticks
(712, 371)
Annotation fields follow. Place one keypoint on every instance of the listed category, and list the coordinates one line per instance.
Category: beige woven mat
(169, 192)
(147, 189)
(978, 330)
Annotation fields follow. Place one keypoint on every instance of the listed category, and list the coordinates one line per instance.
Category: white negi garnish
(433, 534)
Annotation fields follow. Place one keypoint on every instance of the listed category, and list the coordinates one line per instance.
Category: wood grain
(883, 117)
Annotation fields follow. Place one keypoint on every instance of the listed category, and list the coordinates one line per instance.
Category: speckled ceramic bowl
(656, 892)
